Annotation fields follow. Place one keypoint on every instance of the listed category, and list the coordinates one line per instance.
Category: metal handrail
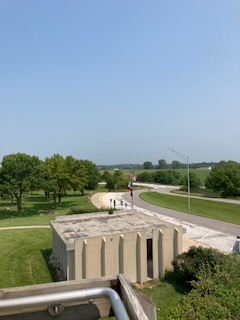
(69, 296)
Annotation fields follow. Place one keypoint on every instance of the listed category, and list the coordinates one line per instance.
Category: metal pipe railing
(68, 296)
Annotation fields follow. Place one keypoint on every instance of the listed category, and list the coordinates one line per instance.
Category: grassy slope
(211, 209)
(22, 260)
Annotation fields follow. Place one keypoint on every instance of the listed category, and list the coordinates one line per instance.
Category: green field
(200, 173)
(227, 212)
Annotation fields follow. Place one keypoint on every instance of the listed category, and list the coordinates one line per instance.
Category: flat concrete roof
(98, 224)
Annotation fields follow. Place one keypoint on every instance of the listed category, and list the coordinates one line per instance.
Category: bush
(215, 290)
(188, 264)
(195, 182)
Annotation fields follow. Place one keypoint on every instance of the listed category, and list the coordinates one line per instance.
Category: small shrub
(188, 264)
(110, 210)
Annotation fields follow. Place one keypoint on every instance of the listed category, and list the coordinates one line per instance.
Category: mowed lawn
(36, 206)
(22, 257)
(22, 251)
(227, 212)
(166, 295)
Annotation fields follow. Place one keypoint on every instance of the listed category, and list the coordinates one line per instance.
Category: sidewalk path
(25, 227)
(96, 199)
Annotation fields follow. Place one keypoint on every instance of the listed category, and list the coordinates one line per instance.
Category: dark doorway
(149, 259)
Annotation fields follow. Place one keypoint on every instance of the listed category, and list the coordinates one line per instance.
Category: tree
(93, 176)
(173, 177)
(108, 177)
(115, 180)
(167, 177)
(160, 176)
(58, 178)
(147, 165)
(77, 173)
(20, 173)
(162, 164)
(145, 177)
(225, 178)
(195, 182)
(176, 164)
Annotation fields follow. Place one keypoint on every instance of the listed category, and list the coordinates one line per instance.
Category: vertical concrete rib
(121, 254)
(161, 253)
(103, 257)
(84, 259)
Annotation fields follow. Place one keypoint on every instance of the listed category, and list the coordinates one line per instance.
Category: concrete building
(95, 245)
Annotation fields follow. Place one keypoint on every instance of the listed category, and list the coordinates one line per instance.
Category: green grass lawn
(23, 250)
(22, 257)
(227, 212)
(165, 294)
(35, 206)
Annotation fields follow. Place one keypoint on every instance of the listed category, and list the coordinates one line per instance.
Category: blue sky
(120, 81)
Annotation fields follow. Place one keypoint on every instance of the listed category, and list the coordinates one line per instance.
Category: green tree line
(223, 178)
(20, 173)
(169, 177)
(175, 164)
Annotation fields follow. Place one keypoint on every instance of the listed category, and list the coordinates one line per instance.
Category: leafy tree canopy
(225, 178)
(195, 182)
(93, 176)
(162, 164)
(115, 180)
(19, 173)
(176, 164)
(147, 165)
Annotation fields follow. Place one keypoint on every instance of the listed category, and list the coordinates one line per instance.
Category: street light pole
(188, 175)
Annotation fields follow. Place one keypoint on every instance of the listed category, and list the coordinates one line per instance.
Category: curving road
(230, 229)
(204, 231)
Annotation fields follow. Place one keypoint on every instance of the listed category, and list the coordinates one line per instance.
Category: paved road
(167, 189)
(209, 232)
(231, 229)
